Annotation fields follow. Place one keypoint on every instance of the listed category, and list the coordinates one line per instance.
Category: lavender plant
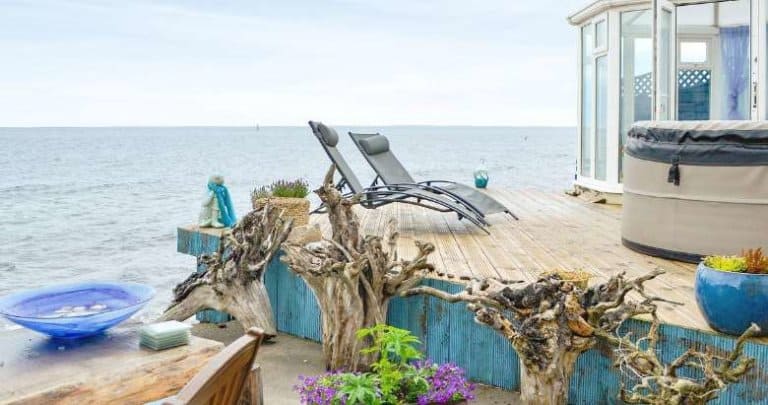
(283, 188)
(397, 378)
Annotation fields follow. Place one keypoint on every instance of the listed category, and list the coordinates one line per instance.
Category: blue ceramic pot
(731, 301)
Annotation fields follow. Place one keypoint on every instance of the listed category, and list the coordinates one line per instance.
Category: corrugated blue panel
(439, 317)
(408, 313)
(594, 381)
(294, 304)
(453, 336)
(195, 243)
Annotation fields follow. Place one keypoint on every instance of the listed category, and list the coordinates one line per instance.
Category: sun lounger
(379, 195)
(375, 149)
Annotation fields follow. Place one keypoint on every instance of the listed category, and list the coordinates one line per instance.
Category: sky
(238, 62)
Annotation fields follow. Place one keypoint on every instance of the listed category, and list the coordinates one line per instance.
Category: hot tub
(695, 188)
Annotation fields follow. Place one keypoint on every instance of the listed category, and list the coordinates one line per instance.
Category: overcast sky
(282, 62)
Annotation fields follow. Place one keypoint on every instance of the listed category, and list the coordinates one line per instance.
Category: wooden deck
(555, 231)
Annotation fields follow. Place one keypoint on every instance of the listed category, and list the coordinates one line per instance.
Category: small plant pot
(295, 208)
(579, 278)
(732, 301)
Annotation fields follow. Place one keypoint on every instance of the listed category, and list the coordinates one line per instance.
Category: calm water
(104, 203)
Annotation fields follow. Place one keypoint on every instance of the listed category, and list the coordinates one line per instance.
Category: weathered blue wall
(449, 334)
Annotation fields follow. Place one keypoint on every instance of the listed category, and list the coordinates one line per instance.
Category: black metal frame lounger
(375, 149)
(379, 195)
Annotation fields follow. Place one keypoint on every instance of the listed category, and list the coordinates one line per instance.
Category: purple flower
(447, 383)
(319, 390)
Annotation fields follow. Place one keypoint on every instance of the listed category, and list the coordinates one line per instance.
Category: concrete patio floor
(287, 357)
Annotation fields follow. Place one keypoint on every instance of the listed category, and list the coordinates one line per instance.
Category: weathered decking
(555, 231)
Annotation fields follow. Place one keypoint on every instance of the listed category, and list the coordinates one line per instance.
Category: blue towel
(226, 211)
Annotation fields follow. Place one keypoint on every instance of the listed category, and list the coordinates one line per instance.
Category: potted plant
(732, 291)
(399, 377)
(289, 196)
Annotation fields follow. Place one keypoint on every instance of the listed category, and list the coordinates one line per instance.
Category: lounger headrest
(330, 137)
(375, 144)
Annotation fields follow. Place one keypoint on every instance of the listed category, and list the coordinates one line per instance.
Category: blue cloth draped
(735, 56)
(226, 211)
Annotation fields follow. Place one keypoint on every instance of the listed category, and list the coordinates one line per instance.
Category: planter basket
(579, 278)
(295, 208)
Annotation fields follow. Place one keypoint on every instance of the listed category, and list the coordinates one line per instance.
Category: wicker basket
(295, 208)
(579, 278)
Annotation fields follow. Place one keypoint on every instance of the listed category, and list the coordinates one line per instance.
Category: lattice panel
(643, 85)
(693, 77)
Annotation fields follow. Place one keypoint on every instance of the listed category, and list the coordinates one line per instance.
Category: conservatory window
(587, 89)
(694, 81)
(714, 61)
(601, 117)
(635, 103)
(601, 33)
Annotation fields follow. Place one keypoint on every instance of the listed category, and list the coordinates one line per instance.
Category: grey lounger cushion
(330, 137)
(375, 144)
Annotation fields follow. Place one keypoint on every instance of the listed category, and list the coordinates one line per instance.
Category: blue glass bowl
(75, 310)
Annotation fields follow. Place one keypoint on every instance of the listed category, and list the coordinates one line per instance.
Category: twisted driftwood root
(550, 322)
(233, 281)
(660, 384)
(353, 277)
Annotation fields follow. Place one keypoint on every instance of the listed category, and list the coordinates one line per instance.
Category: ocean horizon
(103, 203)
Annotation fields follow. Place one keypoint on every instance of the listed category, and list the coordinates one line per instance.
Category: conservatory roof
(596, 7)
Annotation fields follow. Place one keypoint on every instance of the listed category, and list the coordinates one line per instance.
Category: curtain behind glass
(734, 44)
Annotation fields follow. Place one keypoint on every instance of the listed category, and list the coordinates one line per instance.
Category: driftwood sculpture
(353, 277)
(662, 384)
(550, 322)
(234, 278)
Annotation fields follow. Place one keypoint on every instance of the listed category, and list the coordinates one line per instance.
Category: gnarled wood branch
(550, 322)
(233, 281)
(353, 277)
(662, 384)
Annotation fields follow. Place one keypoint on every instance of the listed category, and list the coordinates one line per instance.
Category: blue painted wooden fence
(449, 334)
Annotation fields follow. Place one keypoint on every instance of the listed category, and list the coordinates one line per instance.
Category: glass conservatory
(663, 60)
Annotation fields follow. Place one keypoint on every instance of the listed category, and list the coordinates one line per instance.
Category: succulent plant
(735, 264)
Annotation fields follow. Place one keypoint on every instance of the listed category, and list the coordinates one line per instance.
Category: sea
(80, 204)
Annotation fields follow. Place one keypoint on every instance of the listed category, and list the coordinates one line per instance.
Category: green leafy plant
(359, 389)
(283, 188)
(398, 377)
(396, 348)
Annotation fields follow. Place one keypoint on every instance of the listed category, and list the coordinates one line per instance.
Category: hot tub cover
(713, 143)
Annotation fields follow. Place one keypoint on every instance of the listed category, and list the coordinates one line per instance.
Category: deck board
(555, 231)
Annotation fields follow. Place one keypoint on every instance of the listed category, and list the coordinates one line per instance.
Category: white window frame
(596, 53)
(611, 51)
(603, 18)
